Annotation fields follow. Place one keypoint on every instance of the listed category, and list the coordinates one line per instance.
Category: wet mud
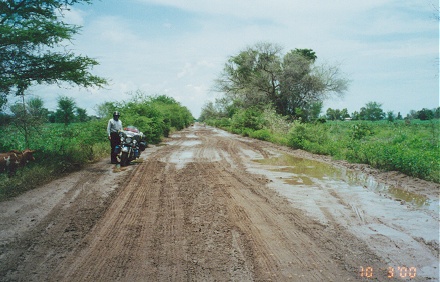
(211, 206)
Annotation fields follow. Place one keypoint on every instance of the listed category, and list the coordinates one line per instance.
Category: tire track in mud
(36, 252)
(113, 246)
(205, 218)
(183, 234)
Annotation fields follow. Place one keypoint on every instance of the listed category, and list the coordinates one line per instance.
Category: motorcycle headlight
(122, 136)
(128, 139)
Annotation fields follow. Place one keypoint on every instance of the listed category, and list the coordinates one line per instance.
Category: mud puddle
(306, 173)
(399, 226)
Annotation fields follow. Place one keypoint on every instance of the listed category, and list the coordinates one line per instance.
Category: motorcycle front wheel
(124, 159)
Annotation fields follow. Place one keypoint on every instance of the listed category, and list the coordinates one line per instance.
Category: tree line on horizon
(372, 111)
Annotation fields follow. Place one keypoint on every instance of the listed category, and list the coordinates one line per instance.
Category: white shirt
(114, 126)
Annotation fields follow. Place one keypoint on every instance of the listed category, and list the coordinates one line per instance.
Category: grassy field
(412, 148)
(409, 147)
(59, 149)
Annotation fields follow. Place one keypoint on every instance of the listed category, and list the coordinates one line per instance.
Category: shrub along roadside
(62, 149)
(59, 150)
(413, 149)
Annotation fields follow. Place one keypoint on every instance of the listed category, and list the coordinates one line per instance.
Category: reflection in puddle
(371, 183)
(302, 169)
(418, 200)
(305, 172)
(300, 180)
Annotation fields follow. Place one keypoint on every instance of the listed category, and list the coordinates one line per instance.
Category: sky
(388, 49)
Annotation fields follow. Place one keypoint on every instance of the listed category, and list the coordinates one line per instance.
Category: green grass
(59, 149)
(413, 149)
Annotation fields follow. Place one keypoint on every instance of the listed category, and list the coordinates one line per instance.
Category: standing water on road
(400, 226)
(302, 172)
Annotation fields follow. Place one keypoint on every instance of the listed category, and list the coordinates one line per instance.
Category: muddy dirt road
(211, 206)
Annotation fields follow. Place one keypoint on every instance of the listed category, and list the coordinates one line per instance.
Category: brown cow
(14, 159)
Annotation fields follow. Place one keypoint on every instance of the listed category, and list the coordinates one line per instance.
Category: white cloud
(373, 47)
(73, 16)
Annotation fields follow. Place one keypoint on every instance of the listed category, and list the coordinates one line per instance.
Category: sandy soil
(200, 208)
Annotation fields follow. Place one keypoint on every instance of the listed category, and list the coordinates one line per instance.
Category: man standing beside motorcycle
(113, 127)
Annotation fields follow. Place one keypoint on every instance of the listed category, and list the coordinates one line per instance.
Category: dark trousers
(114, 141)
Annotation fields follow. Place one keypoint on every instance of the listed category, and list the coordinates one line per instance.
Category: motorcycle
(133, 142)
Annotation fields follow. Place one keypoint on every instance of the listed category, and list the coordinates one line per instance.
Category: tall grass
(59, 150)
(411, 148)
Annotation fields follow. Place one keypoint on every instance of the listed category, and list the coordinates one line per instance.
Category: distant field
(409, 147)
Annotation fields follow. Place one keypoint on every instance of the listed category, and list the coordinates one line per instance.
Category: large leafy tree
(32, 34)
(251, 78)
(292, 83)
(372, 111)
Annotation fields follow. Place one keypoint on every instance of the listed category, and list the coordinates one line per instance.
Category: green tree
(209, 111)
(106, 109)
(436, 112)
(355, 115)
(251, 77)
(154, 116)
(412, 114)
(302, 83)
(309, 54)
(28, 117)
(32, 34)
(425, 114)
(331, 114)
(164, 99)
(372, 111)
(81, 115)
(261, 76)
(337, 114)
(173, 112)
(36, 109)
(66, 110)
(390, 116)
(311, 112)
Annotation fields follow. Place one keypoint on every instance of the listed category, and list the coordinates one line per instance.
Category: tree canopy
(372, 111)
(261, 75)
(32, 34)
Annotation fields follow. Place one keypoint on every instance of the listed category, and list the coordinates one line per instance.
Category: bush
(298, 136)
(247, 119)
(62, 149)
(360, 130)
(262, 134)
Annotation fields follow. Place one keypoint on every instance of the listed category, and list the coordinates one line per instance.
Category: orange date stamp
(403, 272)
